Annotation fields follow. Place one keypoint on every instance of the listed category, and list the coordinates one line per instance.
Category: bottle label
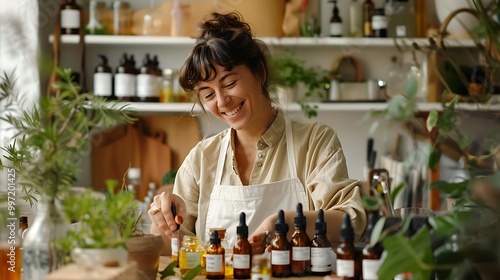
(70, 18)
(124, 85)
(379, 22)
(259, 276)
(370, 269)
(241, 261)
(345, 268)
(147, 86)
(102, 84)
(401, 31)
(336, 29)
(301, 253)
(174, 244)
(192, 259)
(214, 263)
(280, 257)
(321, 259)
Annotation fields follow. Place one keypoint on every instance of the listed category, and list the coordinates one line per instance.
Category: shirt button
(259, 164)
(261, 155)
(260, 145)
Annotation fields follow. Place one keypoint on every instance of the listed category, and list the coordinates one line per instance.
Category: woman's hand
(161, 215)
(261, 237)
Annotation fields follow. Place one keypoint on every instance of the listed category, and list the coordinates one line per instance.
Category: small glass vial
(260, 267)
(301, 246)
(189, 254)
(242, 251)
(167, 88)
(280, 249)
(134, 180)
(228, 270)
(321, 248)
(215, 258)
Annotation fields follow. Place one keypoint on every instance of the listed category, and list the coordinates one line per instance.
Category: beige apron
(257, 201)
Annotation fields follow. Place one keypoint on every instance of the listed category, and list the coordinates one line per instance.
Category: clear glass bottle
(301, 245)
(242, 251)
(189, 254)
(347, 257)
(335, 21)
(134, 181)
(94, 25)
(321, 248)
(167, 89)
(40, 257)
(121, 18)
(355, 21)
(395, 81)
(310, 22)
(280, 249)
(215, 258)
(260, 267)
(70, 17)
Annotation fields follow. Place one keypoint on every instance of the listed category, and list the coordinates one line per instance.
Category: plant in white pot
(50, 139)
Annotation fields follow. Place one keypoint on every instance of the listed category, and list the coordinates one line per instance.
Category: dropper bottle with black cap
(242, 251)
(301, 245)
(280, 248)
(321, 248)
(347, 257)
(215, 260)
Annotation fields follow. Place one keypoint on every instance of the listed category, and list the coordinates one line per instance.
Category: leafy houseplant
(461, 242)
(288, 71)
(48, 143)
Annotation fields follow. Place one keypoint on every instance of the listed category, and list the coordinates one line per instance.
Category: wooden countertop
(165, 261)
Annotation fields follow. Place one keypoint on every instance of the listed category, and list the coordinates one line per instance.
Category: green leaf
(465, 140)
(434, 158)
(432, 119)
(452, 190)
(192, 273)
(407, 255)
(377, 231)
(397, 190)
(168, 271)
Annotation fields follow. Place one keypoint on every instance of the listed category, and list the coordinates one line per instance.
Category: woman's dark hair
(227, 41)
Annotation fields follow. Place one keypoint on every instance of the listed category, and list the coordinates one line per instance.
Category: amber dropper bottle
(347, 258)
(242, 251)
(301, 245)
(280, 248)
(321, 248)
(215, 263)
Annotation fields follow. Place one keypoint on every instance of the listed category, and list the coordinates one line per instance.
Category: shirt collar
(275, 131)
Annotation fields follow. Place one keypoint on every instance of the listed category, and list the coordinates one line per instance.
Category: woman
(263, 162)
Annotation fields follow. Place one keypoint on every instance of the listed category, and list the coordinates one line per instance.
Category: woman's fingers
(161, 212)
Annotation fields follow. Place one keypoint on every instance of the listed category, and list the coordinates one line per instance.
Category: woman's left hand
(259, 239)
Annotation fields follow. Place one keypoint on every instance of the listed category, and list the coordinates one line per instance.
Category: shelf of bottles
(177, 107)
(272, 41)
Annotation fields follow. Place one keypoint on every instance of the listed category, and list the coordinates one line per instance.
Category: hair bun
(225, 26)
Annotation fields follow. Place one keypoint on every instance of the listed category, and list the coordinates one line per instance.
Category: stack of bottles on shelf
(148, 83)
(298, 257)
(396, 18)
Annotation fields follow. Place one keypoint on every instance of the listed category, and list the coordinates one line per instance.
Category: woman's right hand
(161, 215)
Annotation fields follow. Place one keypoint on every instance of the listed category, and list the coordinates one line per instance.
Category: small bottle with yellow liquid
(190, 254)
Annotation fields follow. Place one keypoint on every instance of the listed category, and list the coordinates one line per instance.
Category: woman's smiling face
(234, 97)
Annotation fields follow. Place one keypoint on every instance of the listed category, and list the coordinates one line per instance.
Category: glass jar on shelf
(120, 20)
(167, 88)
(190, 254)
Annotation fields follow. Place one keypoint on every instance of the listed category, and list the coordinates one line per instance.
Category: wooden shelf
(271, 41)
(171, 108)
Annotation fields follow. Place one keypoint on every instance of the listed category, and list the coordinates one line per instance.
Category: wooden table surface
(165, 261)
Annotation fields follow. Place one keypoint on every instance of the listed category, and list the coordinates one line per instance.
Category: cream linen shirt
(321, 167)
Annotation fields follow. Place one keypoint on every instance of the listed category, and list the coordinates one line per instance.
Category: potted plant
(463, 242)
(287, 72)
(110, 226)
(49, 141)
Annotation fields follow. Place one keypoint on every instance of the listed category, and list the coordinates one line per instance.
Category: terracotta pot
(145, 250)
